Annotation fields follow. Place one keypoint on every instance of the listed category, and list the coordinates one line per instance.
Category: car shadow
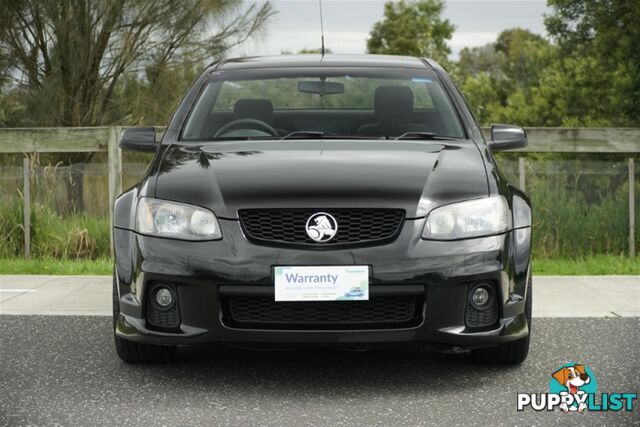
(373, 372)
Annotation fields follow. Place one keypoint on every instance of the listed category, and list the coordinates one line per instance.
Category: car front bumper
(439, 273)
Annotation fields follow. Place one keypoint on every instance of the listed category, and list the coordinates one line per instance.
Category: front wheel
(134, 352)
(511, 353)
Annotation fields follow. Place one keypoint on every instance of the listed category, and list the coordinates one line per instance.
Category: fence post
(26, 212)
(115, 173)
(632, 208)
(521, 173)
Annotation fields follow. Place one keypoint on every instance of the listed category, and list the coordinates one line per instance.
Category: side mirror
(139, 139)
(506, 137)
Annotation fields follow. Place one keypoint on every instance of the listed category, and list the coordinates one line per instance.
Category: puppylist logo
(573, 388)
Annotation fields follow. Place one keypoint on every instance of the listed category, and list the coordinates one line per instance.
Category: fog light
(481, 297)
(164, 297)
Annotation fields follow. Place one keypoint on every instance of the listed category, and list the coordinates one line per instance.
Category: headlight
(176, 220)
(473, 218)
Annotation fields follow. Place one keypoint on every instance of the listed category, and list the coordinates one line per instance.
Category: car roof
(329, 60)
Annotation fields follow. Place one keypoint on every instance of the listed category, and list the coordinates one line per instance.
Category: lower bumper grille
(162, 318)
(479, 319)
(380, 312)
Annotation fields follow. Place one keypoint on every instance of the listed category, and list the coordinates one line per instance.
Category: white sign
(322, 283)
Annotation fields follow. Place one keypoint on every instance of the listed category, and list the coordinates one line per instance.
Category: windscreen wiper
(422, 135)
(317, 134)
(304, 134)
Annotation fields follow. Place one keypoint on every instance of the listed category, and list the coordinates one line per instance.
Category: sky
(347, 24)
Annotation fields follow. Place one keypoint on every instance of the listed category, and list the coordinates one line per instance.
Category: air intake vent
(481, 318)
(379, 312)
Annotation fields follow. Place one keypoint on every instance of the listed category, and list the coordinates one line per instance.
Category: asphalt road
(63, 370)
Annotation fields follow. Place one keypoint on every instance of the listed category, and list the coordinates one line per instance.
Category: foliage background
(128, 62)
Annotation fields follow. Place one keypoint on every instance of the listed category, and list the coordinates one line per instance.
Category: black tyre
(134, 352)
(511, 353)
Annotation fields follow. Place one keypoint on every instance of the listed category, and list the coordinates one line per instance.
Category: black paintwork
(413, 175)
(316, 61)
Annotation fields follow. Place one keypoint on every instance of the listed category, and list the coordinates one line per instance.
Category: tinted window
(284, 94)
(270, 103)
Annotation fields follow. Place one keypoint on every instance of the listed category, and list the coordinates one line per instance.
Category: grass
(587, 266)
(100, 266)
(593, 265)
(53, 236)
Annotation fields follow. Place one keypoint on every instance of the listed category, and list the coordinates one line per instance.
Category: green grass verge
(594, 265)
(101, 266)
(587, 266)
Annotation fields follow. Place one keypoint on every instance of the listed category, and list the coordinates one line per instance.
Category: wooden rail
(541, 140)
(105, 139)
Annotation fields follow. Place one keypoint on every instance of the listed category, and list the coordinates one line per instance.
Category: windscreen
(336, 102)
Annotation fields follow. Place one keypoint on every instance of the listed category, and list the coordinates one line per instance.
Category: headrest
(260, 109)
(393, 104)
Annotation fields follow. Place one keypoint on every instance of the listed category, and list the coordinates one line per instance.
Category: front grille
(288, 226)
(262, 312)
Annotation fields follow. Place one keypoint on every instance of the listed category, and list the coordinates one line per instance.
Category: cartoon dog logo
(572, 377)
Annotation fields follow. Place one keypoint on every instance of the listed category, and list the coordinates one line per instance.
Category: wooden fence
(105, 139)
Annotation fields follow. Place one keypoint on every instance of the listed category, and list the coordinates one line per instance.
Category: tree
(499, 79)
(601, 35)
(67, 59)
(412, 28)
(525, 56)
(481, 59)
(590, 76)
(151, 100)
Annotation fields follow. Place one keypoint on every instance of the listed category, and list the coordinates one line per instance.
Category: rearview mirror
(506, 137)
(320, 87)
(139, 139)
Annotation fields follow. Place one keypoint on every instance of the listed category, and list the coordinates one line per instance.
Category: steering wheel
(246, 124)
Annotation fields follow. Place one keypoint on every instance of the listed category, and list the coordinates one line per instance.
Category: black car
(323, 200)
